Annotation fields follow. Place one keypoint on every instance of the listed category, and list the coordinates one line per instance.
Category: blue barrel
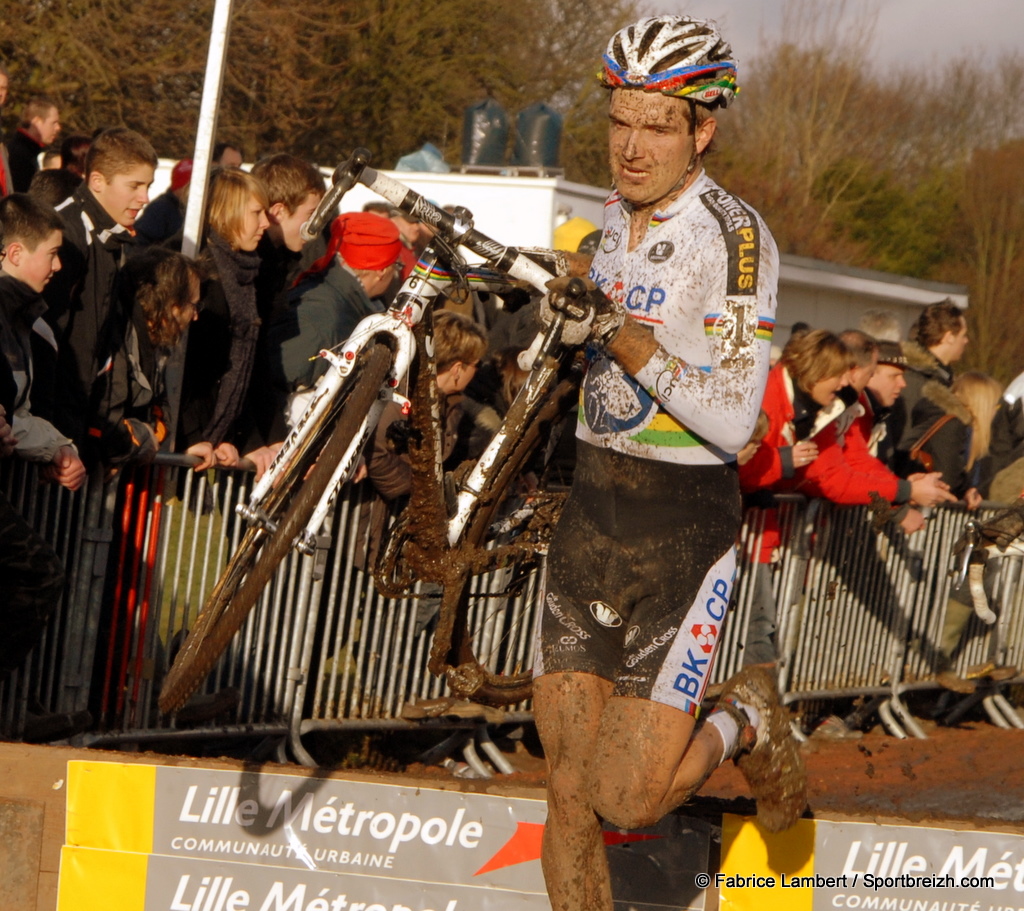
(538, 137)
(484, 134)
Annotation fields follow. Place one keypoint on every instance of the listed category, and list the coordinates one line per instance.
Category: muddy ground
(972, 774)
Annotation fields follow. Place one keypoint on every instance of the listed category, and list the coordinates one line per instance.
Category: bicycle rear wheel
(254, 563)
(452, 653)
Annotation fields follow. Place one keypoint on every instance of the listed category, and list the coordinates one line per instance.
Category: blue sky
(918, 32)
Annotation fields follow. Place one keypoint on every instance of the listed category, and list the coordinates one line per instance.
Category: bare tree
(319, 77)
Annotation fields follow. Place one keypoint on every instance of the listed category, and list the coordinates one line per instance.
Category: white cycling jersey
(704, 278)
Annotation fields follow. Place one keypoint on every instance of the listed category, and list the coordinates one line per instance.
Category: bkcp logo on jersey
(605, 614)
(704, 635)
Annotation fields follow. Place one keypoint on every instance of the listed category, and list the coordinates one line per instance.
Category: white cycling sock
(728, 730)
(753, 714)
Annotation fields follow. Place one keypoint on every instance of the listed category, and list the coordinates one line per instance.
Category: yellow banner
(760, 871)
(110, 805)
(92, 880)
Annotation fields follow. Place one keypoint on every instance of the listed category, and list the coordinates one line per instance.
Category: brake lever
(552, 340)
(563, 307)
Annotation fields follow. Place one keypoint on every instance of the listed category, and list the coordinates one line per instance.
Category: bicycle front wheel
(254, 563)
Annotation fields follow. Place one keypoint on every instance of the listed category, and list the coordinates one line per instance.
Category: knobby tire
(453, 655)
(253, 565)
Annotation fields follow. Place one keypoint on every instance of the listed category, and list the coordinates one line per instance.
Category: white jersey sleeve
(705, 279)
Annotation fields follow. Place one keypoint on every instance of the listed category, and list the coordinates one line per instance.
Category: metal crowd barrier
(870, 616)
(857, 615)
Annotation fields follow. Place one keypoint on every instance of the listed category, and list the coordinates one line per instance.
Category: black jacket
(948, 448)
(219, 357)
(83, 306)
(924, 372)
(161, 219)
(129, 400)
(23, 336)
(23, 157)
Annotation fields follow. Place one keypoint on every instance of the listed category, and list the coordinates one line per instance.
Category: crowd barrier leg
(82, 632)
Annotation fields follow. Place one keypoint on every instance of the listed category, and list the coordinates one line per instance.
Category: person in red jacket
(813, 368)
(797, 457)
(845, 471)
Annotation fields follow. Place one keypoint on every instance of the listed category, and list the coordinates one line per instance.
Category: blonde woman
(222, 343)
(964, 446)
(956, 442)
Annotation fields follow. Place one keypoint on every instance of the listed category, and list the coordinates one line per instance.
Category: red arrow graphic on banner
(524, 845)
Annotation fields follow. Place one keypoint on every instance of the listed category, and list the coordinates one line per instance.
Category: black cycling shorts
(639, 575)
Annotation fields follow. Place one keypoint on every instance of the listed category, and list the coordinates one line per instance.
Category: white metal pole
(207, 127)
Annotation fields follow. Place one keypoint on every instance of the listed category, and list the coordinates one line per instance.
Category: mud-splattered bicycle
(440, 539)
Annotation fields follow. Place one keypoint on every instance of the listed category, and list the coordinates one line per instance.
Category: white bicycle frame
(418, 292)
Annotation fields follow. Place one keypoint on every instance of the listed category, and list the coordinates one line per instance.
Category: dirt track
(971, 775)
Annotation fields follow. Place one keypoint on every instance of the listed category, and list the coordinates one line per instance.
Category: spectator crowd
(96, 301)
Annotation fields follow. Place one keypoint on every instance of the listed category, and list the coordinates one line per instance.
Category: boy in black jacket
(31, 238)
(98, 221)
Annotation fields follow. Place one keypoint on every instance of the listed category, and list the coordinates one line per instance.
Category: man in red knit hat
(330, 298)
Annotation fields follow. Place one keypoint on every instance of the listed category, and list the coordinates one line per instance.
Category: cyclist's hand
(590, 316)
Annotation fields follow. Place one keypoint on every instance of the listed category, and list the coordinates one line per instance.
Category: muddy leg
(568, 712)
(649, 759)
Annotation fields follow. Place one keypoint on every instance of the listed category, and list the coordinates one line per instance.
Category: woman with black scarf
(222, 342)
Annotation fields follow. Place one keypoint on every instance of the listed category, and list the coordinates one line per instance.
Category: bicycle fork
(325, 394)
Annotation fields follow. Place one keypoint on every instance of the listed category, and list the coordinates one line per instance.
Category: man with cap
(880, 394)
(332, 296)
(165, 215)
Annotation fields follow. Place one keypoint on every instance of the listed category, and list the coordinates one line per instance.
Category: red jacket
(772, 465)
(844, 471)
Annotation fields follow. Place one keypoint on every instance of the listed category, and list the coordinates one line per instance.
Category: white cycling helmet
(672, 55)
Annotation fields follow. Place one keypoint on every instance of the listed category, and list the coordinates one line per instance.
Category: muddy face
(650, 145)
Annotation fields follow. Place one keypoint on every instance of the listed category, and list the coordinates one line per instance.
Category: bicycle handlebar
(345, 177)
(506, 259)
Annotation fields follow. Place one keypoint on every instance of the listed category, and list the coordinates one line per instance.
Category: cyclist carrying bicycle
(678, 327)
